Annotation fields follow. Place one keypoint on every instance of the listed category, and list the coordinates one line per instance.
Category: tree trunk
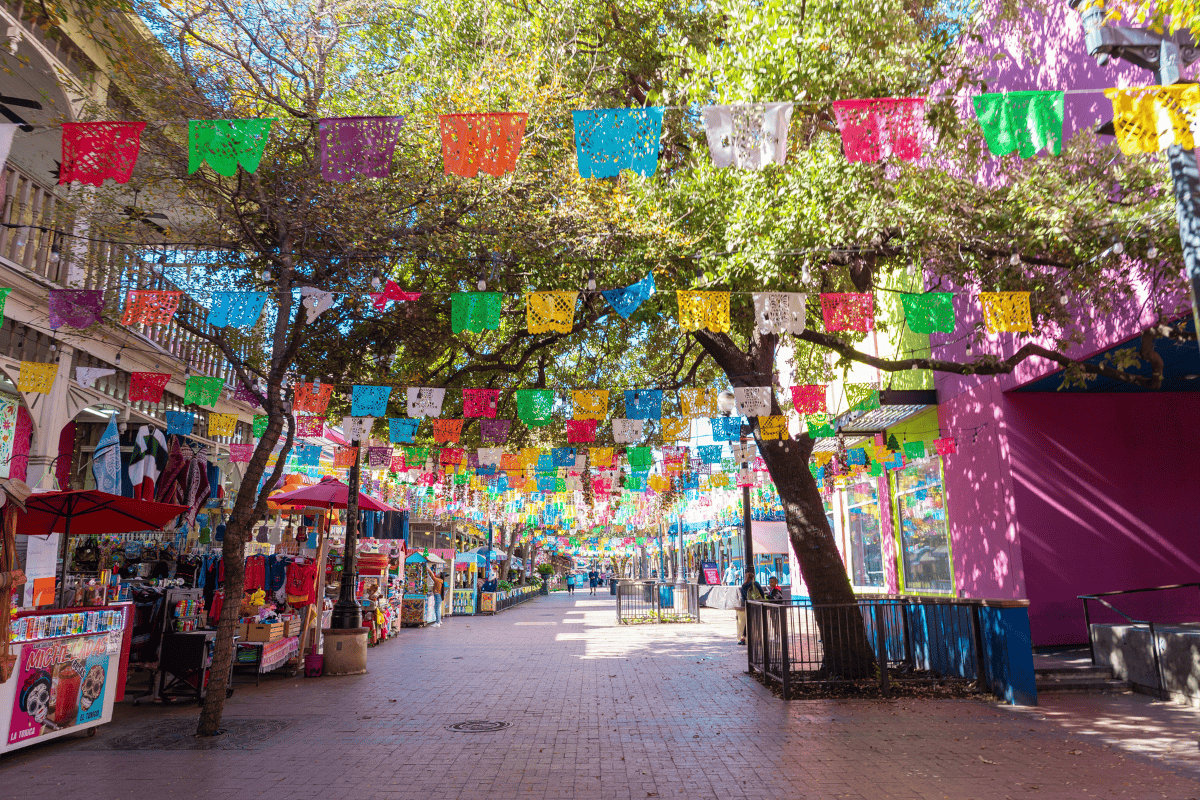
(513, 535)
(847, 652)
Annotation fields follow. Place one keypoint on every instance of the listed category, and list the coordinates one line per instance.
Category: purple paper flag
(358, 146)
(244, 394)
(78, 308)
(494, 430)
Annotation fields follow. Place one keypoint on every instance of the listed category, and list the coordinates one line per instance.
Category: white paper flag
(315, 302)
(747, 136)
(490, 456)
(753, 401)
(424, 401)
(744, 452)
(780, 312)
(628, 431)
(357, 429)
(87, 376)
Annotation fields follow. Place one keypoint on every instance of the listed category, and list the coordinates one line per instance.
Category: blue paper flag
(402, 430)
(626, 301)
(369, 401)
(308, 455)
(502, 483)
(710, 453)
(857, 456)
(563, 456)
(239, 309)
(490, 469)
(180, 423)
(643, 403)
(608, 140)
(546, 483)
(726, 429)
(545, 463)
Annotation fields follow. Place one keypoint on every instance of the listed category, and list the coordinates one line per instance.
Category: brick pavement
(609, 713)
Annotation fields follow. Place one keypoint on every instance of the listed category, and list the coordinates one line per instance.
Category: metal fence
(919, 639)
(648, 601)
(495, 602)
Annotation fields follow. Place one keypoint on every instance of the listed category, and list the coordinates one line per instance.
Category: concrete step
(1067, 672)
(1103, 684)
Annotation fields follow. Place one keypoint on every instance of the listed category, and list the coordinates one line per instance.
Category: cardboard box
(264, 633)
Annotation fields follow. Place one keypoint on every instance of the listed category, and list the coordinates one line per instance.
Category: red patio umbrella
(329, 493)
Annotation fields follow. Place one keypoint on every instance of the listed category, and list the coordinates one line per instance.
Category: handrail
(1096, 595)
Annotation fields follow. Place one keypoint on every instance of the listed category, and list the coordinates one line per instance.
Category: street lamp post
(681, 561)
(727, 403)
(347, 613)
(1164, 55)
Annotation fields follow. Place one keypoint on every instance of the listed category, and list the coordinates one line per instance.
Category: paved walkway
(608, 713)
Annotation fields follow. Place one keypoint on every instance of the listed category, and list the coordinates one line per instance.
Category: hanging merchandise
(424, 401)
(1006, 312)
(534, 406)
(550, 311)
(87, 376)
(357, 429)
(36, 378)
(480, 402)
(643, 403)
(1148, 119)
(862, 396)
(753, 401)
(222, 424)
(93, 152)
(848, 311)
(946, 446)
(148, 386)
(747, 136)
(703, 311)
(311, 398)
(202, 391)
(106, 459)
(227, 143)
(369, 401)
(402, 430)
(1024, 122)
(589, 404)
(930, 312)
(236, 309)
(608, 140)
(240, 453)
(475, 312)
(145, 307)
(310, 426)
(780, 312)
(447, 431)
(809, 398)
(77, 308)
(627, 300)
(628, 431)
(180, 423)
(357, 146)
(581, 431)
(879, 128)
(488, 143)
(147, 461)
(392, 291)
(676, 429)
(315, 302)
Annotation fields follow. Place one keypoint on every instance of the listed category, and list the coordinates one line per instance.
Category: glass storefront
(863, 531)
(921, 514)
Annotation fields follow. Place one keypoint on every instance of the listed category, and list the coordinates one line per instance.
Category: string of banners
(746, 136)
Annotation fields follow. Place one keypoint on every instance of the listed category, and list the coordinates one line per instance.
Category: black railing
(649, 601)
(888, 639)
(502, 601)
(1155, 645)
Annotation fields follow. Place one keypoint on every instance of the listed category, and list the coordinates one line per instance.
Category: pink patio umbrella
(329, 493)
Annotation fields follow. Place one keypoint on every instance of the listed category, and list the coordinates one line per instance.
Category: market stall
(418, 609)
(467, 568)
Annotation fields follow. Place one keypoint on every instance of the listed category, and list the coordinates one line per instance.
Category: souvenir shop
(380, 586)
(418, 605)
(468, 567)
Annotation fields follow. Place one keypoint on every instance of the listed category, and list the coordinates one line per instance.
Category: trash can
(666, 596)
(612, 588)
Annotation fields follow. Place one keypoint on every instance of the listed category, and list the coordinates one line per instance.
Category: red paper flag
(92, 152)
(148, 386)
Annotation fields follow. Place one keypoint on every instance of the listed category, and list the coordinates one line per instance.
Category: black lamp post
(347, 613)
(727, 405)
(1165, 55)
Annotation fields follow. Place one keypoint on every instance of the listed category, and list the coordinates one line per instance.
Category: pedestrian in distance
(751, 590)
(571, 583)
(593, 579)
(437, 582)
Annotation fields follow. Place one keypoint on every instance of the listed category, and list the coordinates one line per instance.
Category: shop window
(863, 532)
(921, 515)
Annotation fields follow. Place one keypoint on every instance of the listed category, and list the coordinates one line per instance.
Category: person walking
(570, 583)
(593, 579)
(751, 590)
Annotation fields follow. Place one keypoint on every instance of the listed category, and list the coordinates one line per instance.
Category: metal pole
(662, 554)
(347, 613)
(681, 566)
(747, 538)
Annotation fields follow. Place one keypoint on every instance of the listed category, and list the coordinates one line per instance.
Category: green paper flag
(929, 312)
(820, 426)
(3, 298)
(893, 444)
(260, 425)
(862, 396)
(226, 143)
(640, 458)
(475, 312)
(534, 406)
(876, 469)
(1022, 121)
(914, 450)
(202, 391)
